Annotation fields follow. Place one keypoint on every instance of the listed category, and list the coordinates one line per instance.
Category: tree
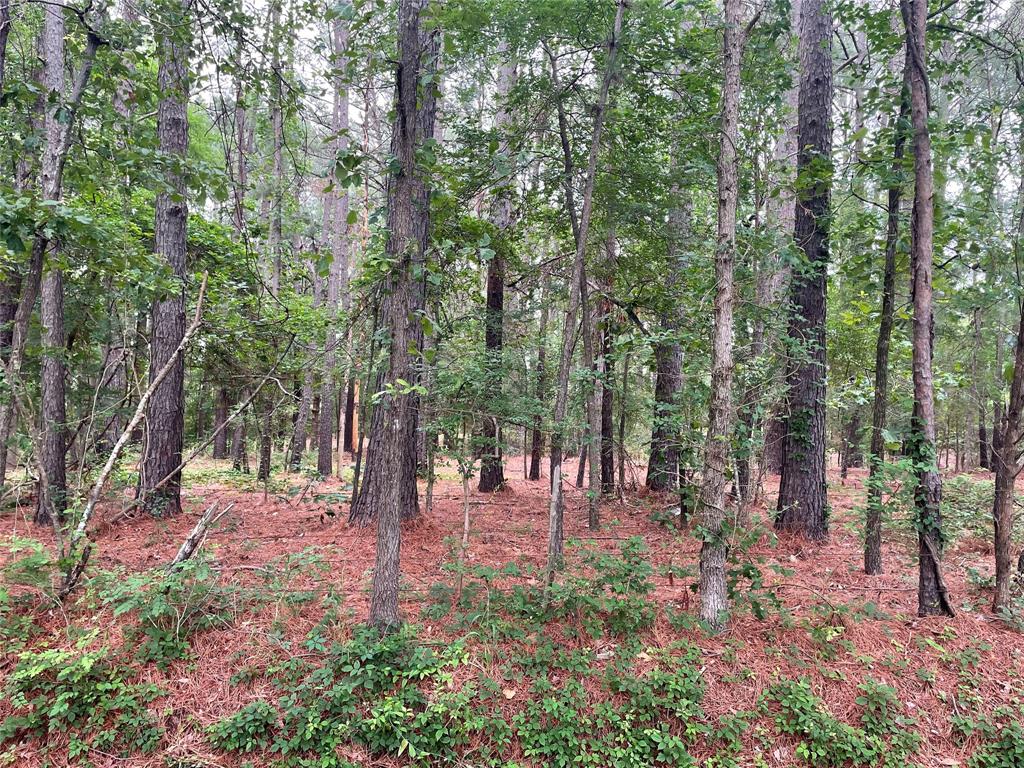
(714, 549)
(53, 499)
(337, 236)
(492, 474)
(931, 592)
(802, 487)
(873, 528)
(159, 476)
(577, 288)
(389, 491)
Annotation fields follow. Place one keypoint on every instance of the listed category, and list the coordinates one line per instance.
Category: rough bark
(389, 491)
(300, 430)
(337, 279)
(165, 414)
(53, 500)
(712, 507)
(931, 592)
(802, 488)
(879, 407)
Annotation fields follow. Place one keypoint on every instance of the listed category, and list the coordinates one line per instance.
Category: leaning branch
(75, 572)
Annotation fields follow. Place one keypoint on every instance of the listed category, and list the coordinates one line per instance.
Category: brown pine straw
(826, 590)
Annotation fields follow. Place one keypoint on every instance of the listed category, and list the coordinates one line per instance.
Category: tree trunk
(239, 448)
(52, 500)
(492, 474)
(220, 419)
(165, 413)
(300, 431)
(663, 462)
(537, 440)
(389, 491)
(802, 488)
(879, 407)
(931, 592)
(606, 366)
(337, 280)
(714, 549)
(59, 120)
(580, 230)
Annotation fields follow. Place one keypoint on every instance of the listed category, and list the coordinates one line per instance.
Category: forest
(511, 383)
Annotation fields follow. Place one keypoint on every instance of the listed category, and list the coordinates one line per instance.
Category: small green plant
(83, 696)
(883, 741)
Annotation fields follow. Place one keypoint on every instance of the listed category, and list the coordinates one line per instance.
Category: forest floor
(840, 671)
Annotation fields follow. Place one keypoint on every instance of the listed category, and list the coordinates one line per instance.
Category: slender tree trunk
(492, 474)
(239, 448)
(165, 413)
(59, 120)
(580, 230)
(873, 532)
(389, 491)
(52, 502)
(623, 455)
(5, 31)
(300, 432)
(663, 463)
(337, 280)
(714, 549)
(537, 440)
(802, 488)
(931, 592)
(606, 367)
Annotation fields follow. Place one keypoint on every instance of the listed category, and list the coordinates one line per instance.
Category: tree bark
(220, 418)
(880, 402)
(389, 491)
(165, 414)
(52, 501)
(931, 592)
(714, 550)
(802, 487)
(337, 279)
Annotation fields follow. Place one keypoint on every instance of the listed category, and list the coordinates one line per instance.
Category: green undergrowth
(517, 675)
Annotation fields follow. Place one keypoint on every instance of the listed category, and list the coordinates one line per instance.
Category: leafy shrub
(830, 742)
(368, 691)
(171, 606)
(82, 695)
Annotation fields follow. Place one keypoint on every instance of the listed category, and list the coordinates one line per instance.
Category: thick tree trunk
(931, 592)
(879, 407)
(337, 280)
(52, 501)
(389, 491)
(802, 488)
(239, 447)
(537, 439)
(492, 474)
(165, 413)
(220, 419)
(712, 507)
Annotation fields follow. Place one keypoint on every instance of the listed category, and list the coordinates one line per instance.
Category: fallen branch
(195, 539)
(74, 572)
